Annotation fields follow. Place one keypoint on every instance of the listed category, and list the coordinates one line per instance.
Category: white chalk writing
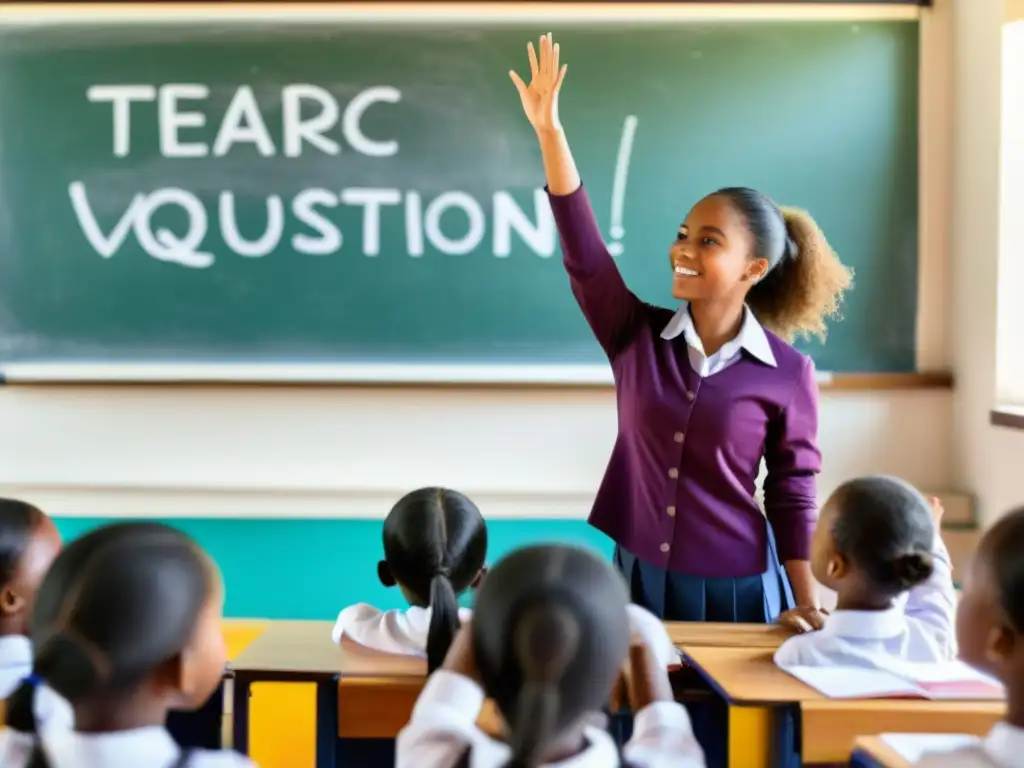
(312, 121)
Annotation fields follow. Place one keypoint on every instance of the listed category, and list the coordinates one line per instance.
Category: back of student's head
(884, 528)
(551, 633)
(117, 604)
(435, 545)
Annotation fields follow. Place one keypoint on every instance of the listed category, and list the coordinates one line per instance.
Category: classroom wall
(271, 453)
(985, 458)
(286, 486)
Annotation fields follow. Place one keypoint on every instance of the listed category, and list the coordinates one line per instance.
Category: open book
(943, 680)
(914, 746)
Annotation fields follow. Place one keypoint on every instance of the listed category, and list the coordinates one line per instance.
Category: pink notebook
(952, 680)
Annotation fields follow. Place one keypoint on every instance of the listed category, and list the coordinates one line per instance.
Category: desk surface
(880, 752)
(303, 650)
(713, 635)
(747, 676)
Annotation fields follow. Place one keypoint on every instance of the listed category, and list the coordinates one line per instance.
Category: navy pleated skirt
(681, 597)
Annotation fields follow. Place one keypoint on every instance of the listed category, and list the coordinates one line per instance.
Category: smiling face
(712, 257)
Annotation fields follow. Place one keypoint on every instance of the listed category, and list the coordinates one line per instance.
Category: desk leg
(863, 760)
(240, 715)
(750, 737)
(327, 723)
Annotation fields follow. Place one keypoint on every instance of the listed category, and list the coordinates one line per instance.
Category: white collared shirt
(150, 747)
(396, 631)
(405, 632)
(15, 665)
(919, 629)
(443, 726)
(1002, 748)
(751, 338)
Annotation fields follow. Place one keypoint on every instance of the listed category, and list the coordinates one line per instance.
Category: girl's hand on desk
(461, 657)
(803, 619)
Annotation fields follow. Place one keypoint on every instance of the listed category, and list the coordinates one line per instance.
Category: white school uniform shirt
(919, 628)
(1002, 748)
(402, 632)
(751, 338)
(443, 726)
(150, 747)
(15, 665)
(405, 632)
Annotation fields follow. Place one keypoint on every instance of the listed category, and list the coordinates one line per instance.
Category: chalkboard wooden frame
(403, 376)
(404, 11)
(400, 374)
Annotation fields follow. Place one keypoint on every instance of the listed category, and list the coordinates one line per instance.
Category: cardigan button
(678, 437)
(690, 395)
(665, 547)
(673, 473)
(671, 511)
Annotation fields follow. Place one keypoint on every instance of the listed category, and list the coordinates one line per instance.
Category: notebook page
(855, 683)
(954, 680)
(913, 746)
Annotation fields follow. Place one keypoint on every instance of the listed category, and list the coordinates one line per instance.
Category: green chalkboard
(233, 192)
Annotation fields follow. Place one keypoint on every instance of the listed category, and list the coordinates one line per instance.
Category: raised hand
(540, 97)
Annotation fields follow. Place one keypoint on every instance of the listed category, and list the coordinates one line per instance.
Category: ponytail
(21, 717)
(66, 665)
(545, 643)
(805, 280)
(536, 713)
(805, 287)
(444, 620)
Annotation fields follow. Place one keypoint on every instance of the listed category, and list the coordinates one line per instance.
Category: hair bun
(912, 568)
(68, 666)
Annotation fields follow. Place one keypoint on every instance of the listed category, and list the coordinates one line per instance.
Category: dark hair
(1001, 548)
(805, 280)
(884, 526)
(18, 520)
(116, 603)
(435, 543)
(550, 632)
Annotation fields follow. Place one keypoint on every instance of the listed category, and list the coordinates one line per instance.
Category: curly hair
(805, 282)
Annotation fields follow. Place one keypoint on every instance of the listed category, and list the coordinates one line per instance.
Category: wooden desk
(359, 693)
(831, 726)
(762, 701)
(872, 752)
(717, 635)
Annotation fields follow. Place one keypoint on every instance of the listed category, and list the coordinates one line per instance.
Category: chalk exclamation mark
(619, 184)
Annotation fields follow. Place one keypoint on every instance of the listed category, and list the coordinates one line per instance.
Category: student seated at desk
(126, 626)
(29, 542)
(990, 632)
(435, 546)
(548, 643)
(878, 546)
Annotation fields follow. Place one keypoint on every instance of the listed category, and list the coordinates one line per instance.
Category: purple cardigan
(679, 488)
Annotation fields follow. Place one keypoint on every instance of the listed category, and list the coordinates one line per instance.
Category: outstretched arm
(611, 310)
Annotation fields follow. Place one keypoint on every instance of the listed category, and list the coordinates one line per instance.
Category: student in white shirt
(548, 643)
(29, 542)
(435, 546)
(878, 546)
(126, 626)
(990, 633)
